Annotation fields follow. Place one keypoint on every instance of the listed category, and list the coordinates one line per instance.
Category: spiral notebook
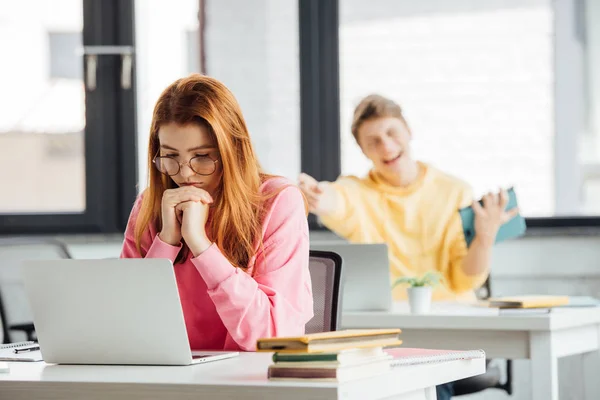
(20, 351)
(410, 356)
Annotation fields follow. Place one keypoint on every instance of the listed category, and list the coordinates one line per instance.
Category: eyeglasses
(201, 165)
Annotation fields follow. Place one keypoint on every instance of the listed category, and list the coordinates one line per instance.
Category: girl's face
(190, 155)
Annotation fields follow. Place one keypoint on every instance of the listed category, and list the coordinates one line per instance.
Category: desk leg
(544, 367)
(591, 366)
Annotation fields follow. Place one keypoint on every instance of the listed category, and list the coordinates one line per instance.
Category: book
(20, 351)
(340, 357)
(331, 341)
(402, 356)
(345, 358)
(335, 374)
(527, 301)
(514, 228)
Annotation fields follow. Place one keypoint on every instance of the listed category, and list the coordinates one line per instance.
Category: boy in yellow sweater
(409, 205)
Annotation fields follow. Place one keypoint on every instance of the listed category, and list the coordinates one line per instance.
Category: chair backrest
(326, 276)
(484, 291)
(14, 306)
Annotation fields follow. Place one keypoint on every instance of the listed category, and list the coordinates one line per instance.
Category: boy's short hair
(375, 106)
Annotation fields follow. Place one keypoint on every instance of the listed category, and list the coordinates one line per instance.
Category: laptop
(110, 311)
(366, 284)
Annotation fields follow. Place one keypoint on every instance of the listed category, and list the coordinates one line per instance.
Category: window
(493, 92)
(501, 92)
(590, 156)
(43, 119)
(64, 165)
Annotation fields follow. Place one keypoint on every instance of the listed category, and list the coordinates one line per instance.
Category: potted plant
(419, 290)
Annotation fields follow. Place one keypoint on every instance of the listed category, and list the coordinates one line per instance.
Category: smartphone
(514, 228)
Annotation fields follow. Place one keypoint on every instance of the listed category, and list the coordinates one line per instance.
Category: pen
(17, 351)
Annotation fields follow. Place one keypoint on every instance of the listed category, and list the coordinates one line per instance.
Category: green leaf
(430, 278)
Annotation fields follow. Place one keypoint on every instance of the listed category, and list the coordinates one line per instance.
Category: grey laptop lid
(110, 311)
(365, 273)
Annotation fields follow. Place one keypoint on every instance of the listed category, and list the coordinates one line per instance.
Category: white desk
(540, 338)
(238, 378)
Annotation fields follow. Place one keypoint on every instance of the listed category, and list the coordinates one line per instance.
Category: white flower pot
(419, 299)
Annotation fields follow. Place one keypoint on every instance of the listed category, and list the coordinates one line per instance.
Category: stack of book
(331, 356)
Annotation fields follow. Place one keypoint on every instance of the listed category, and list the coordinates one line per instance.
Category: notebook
(527, 301)
(514, 228)
(7, 352)
(410, 356)
(331, 341)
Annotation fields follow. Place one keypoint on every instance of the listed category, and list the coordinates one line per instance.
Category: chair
(492, 377)
(326, 276)
(15, 314)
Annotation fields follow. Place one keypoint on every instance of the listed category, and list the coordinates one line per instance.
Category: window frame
(320, 148)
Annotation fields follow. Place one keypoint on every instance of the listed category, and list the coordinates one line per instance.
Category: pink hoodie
(226, 308)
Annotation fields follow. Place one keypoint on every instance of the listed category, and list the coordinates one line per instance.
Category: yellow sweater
(420, 225)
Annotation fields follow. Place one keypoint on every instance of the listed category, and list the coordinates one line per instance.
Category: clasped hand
(184, 215)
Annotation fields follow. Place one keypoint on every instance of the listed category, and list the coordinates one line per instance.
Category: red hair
(239, 205)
